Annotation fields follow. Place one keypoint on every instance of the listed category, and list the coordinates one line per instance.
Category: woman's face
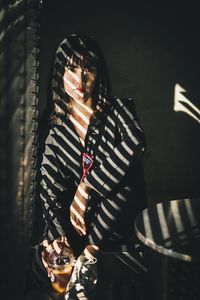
(79, 83)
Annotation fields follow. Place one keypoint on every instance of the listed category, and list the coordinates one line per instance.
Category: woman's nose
(82, 77)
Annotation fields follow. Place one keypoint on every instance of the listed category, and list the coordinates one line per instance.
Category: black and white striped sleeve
(52, 189)
(105, 177)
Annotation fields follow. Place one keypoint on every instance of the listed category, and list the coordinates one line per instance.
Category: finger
(62, 239)
(45, 243)
(44, 262)
(43, 257)
(65, 240)
(49, 248)
(56, 246)
(44, 254)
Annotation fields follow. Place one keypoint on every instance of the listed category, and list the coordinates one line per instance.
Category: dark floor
(105, 291)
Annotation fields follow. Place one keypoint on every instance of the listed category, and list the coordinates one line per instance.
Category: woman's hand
(78, 208)
(56, 245)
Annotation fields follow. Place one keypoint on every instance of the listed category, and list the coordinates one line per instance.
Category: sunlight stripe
(88, 109)
(82, 192)
(98, 159)
(101, 182)
(71, 132)
(176, 216)
(46, 173)
(117, 234)
(127, 148)
(48, 162)
(107, 142)
(122, 157)
(121, 197)
(71, 85)
(190, 212)
(107, 212)
(101, 221)
(127, 128)
(113, 204)
(68, 155)
(147, 225)
(110, 132)
(79, 203)
(77, 226)
(83, 117)
(67, 141)
(78, 125)
(128, 112)
(103, 151)
(116, 167)
(97, 233)
(77, 215)
(82, 141)
(72, 74)
(109, 175)
(111, 121)
(162, 221)
(70, 168)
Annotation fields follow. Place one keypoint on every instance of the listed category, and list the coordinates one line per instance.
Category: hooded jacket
(116, 141)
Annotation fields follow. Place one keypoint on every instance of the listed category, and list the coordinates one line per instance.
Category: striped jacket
(116, 178)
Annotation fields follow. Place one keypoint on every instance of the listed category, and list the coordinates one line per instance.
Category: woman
(91, 187)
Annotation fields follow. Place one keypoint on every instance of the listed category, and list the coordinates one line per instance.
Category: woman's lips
(80, 90)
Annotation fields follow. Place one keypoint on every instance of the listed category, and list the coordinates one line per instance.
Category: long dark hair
(81, 50)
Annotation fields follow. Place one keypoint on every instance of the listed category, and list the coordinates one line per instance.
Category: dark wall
(18, 124)
(148, 52)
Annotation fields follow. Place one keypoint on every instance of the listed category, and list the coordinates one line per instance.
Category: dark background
(148, 50)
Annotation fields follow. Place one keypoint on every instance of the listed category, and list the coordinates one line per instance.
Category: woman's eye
(70, 68)
(90, 70)
(86, 70)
